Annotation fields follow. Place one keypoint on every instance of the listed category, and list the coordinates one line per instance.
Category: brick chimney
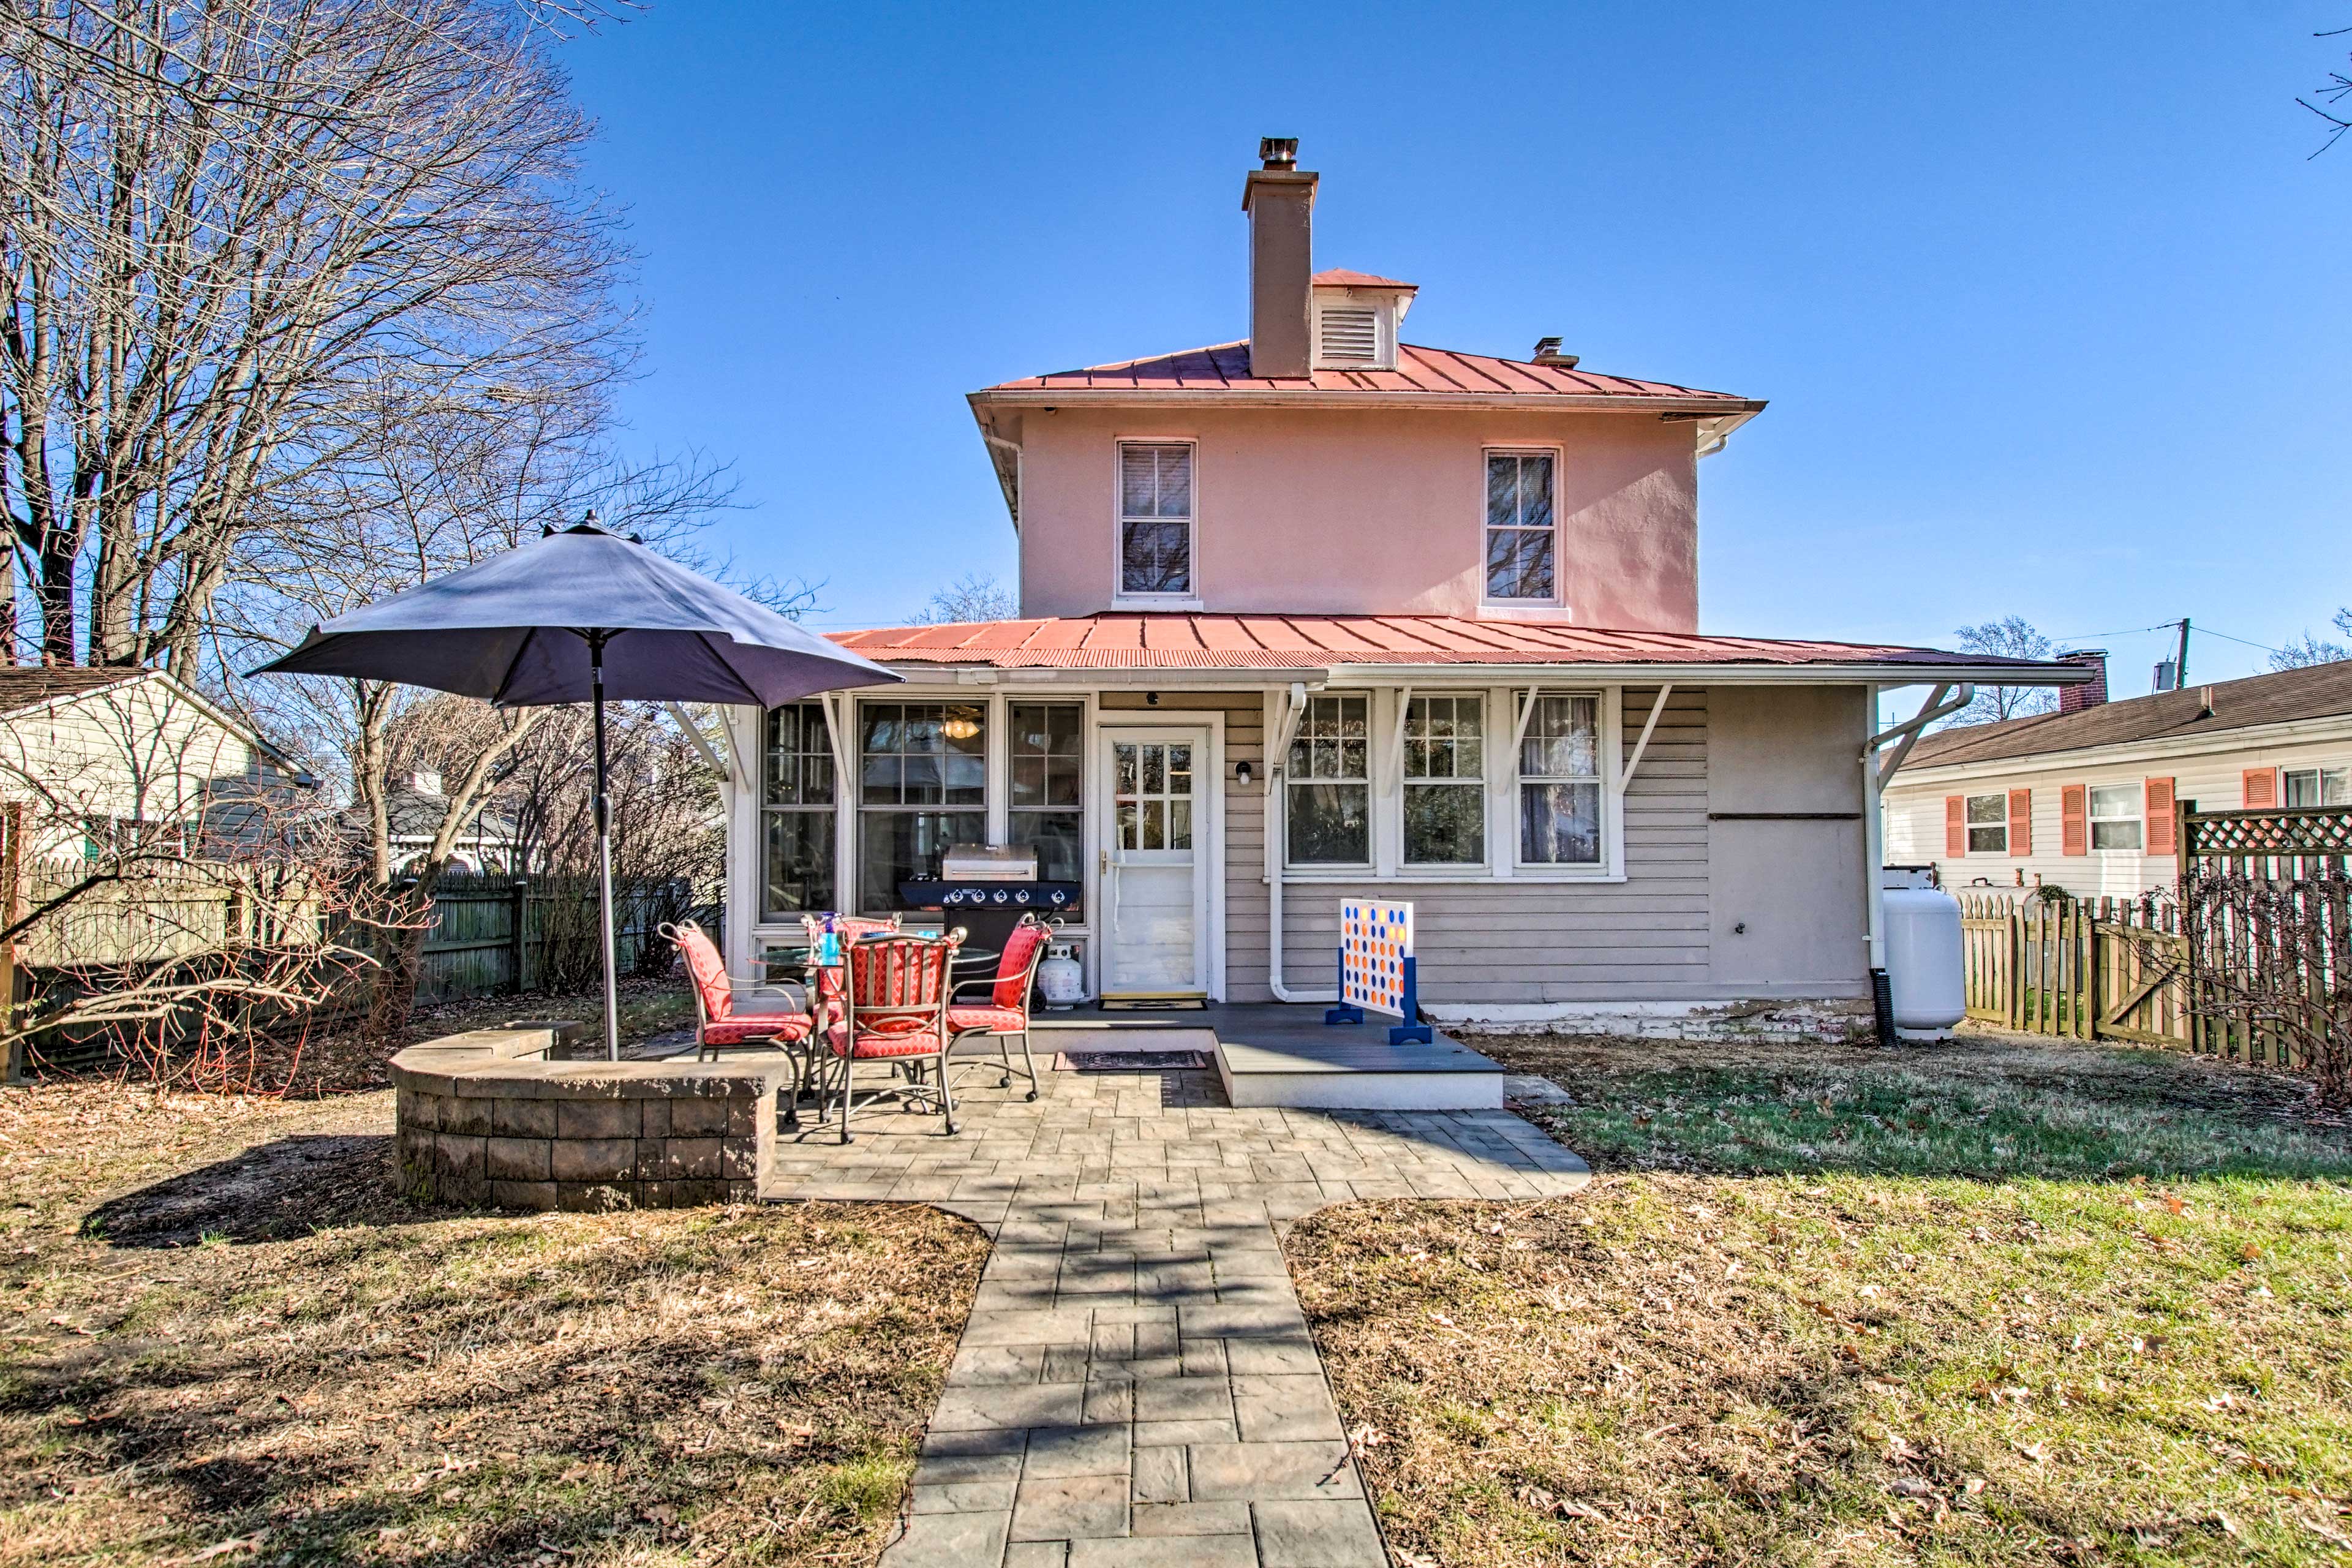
(2074, 698)
(1280, 201)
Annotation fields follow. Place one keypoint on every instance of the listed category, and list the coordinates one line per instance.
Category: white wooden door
(1154, 890)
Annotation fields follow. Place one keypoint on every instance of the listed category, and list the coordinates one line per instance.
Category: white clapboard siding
(2213, 780)
(1525, 940)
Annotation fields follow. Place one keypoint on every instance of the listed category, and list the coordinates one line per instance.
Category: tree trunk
(400, 953)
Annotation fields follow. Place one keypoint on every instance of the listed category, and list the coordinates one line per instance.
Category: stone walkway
(1137, 1385)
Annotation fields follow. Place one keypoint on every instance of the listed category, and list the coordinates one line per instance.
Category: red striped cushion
(870, 1046)
(1003, 1020)
(744, 1028)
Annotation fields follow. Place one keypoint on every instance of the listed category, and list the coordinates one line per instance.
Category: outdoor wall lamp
(1242, 771)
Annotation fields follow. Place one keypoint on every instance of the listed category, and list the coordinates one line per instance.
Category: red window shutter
(2021, 822)
(2258, 788)
(2162, 822)
(1955, 825)
(2074, 819)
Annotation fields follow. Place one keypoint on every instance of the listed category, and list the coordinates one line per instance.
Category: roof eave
(1879, 672)
(1312, 397)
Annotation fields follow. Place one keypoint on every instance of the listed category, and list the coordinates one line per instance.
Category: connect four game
(1376, 967)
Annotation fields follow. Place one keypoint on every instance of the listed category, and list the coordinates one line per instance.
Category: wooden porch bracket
(1625, 774)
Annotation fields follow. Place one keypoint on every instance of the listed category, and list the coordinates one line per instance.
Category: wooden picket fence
(2095, 969)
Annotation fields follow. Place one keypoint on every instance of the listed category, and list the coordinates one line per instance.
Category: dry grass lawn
(1994, 1304)
(223, 1341)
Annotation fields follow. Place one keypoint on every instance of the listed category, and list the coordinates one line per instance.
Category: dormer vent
(1348, 334)
(1548, 353)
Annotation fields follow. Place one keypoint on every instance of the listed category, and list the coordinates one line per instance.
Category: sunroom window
(1046, 809)
(1560, 783)
(1444, 781)
(1330, 787)
(922, 787)
(797, 800)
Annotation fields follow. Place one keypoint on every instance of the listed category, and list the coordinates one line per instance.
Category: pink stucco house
(1321, 612)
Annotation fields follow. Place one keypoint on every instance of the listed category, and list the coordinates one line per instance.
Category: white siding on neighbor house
(142, 750)
(2212, 777)
(1517, 940)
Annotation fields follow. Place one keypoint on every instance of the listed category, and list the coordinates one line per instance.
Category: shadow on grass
(269, 1193)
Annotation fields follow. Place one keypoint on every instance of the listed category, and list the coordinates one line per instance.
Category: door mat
(1129, 1061)
(1153, 1004)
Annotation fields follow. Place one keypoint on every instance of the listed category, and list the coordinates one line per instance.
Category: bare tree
(2336, 93)
(223, 224)
(974, 596)
(2308, 649)
(2011, 636)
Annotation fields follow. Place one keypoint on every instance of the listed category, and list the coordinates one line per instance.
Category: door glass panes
(1328, 789)
(1560, 783)
(1152, 804)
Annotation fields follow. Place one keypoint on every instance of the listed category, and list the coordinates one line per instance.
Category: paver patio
(1137, 1385)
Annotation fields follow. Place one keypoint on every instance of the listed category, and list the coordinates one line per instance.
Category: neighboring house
(105, 755)
(415, 807)
(2086, 797)
(1323, 612)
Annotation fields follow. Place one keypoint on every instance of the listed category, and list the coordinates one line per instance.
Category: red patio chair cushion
(996, 1020)
(1013, 968)
(708, 972)
(913, 1041)
(746, 1028)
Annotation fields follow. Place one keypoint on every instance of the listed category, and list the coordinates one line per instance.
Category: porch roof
(1236, 644)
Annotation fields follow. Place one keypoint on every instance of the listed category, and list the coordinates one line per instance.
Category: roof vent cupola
(1548, 353)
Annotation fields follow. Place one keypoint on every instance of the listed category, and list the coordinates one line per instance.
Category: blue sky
(2050, 303)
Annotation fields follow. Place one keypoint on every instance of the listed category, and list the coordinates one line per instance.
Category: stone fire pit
(487, 1117)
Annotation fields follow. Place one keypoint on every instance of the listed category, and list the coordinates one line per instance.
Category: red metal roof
(1225, 367)
(1180, 641)
(1342, 277)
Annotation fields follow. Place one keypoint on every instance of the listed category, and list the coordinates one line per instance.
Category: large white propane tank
(1924, 967)
(1059, 978)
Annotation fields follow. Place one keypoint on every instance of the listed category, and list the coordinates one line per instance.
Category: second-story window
(1520, 534)
(1155, 518)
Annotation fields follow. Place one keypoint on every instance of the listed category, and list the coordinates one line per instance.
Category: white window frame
(1478, 782)
(1369, 781)
(2318, 773)
(1120, 597)
(1969, 827)
(1557, 597)
(2135, 795)
(763, 809)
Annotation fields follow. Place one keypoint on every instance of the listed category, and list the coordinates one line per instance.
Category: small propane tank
(1059, 978)
(1924, 967)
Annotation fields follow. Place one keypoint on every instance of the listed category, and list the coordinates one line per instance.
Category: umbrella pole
(604, 850)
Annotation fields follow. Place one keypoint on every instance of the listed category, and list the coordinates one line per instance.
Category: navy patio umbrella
(581, 615)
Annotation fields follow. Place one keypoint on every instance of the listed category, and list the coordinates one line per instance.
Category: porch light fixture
(1242, 771)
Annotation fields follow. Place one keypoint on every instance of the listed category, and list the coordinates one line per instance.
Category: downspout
(1875, 771)
(1277, 757)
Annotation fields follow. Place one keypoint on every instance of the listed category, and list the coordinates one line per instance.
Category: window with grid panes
(1328, 786)
(1046, 807)
(1520, 538)
(923, 788)
(1560, 783)
(1444, 781)
(797, 802)
(1155, 518)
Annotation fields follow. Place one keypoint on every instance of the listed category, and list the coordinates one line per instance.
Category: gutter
(1276, 758)
(1235, 397)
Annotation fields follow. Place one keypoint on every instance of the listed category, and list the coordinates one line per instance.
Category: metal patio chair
(1003, 1017)
(717, 1021)
(894, 1006)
